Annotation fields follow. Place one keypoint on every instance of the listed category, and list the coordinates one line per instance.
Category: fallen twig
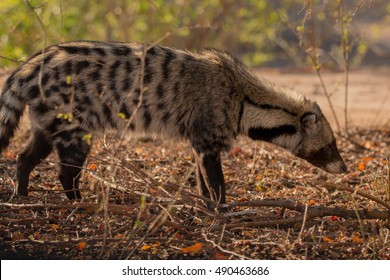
(328, 185)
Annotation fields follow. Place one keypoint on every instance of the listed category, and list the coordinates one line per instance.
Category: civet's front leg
(209, 176)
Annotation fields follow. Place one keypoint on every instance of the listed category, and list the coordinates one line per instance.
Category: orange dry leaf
(55, 226)
(18, 236)
(37, 235)
(193, 249)
(81, 246)
(357, 239)
(311, 202)
(92, 166)
(363, 164)
(9, 154)
(334, 218)
(187, 157)
(235, 151)
(259, 177)
(328, 240)
(178, 236)
(146, 247)
(220, 256)
(152, 191)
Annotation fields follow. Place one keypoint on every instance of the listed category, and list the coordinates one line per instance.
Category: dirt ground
(140, 201)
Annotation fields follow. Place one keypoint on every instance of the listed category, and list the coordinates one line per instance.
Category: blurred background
(262, 33)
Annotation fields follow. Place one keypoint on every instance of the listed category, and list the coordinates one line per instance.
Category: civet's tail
(11, 109)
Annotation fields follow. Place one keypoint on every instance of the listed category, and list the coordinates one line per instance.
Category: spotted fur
(78, 90)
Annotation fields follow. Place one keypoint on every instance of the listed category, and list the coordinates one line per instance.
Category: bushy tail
(11, 109)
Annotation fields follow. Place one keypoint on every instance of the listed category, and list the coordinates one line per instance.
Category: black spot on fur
(99, 51)
(116, 95)
(94, 120)
(161, 106)
(121, 51)
(68, 67)
(124, 110)
(128, 67)
(147, 118)
(137, 61)
(86, 101)
(70, 50)
(136, 96)
(41, 108)
(180, 117)
(99, 88)
(113, 70)
(56, 75)
(152, 51)
(95, 75)
(268, 134)
(126, 84)
(169, 57)
(160, 91)
(147, 78)
(65, 98)
(54, 89)
(80, 66)
(81, 86)
(182, 70)
(76, 50)
(65, 85)
(9, 82)
(33, 74)
(166, 117)
(47, 59)
(108, 114)
(177, 87)
(10, 107)
(148, 74)
(33, 92)
(132, 126)
(99, 65)
(45, 79)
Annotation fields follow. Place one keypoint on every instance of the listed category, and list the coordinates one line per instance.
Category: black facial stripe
(240, 115)
(268, 134)
(325, 154)
(268, 107)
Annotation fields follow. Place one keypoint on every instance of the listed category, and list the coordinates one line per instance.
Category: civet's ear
(309, 121)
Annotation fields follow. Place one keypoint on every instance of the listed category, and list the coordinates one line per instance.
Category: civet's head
(318, 144)
(282, 117)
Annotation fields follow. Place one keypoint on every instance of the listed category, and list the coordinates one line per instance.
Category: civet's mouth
(334, 167)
